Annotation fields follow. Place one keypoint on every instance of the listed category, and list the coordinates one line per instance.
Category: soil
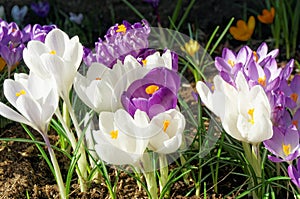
(24, 172)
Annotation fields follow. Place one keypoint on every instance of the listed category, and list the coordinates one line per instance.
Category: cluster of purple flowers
(282, 88)
(13, 41)
(120, 40)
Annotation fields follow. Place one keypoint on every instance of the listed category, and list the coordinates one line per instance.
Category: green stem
(254, 159)
(73, 142)
(151, 184)
(164, 171)
(58, 177)
(82, 161)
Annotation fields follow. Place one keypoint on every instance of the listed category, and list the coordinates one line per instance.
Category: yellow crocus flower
(267, 16)
(243, 31)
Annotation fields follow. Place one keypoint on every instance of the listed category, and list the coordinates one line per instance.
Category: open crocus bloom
(167, 129)
(35, 99)
(118, 140)
(245, 113)
(156, 92)
(59, 57)
(284, 145)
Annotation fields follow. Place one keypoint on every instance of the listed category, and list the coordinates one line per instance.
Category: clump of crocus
(267, 16)
(120, 40)
(243, 31)
(40, 8)
(13, 41)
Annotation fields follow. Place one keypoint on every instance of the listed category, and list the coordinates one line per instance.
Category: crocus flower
(18, 14)
(34, 98)
(243, 31)
(41, 8)
(76, 18)
(119, 147)
(292, 92)
(37, 32)
(191, 47)
(59, 57)
(248, 112)
(98, 89)
(12, 55)
(120, 41)
(267, 16)
(284, 144)
(156, 92)
(294, 173)
(167, 128)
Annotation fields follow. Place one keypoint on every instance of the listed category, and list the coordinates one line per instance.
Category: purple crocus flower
(40, 8)
(37, 32)
(262, 55)
(294, 173)
(120, 40)
(292, 92)
(284, 144)
(12, 55)
(155, 93)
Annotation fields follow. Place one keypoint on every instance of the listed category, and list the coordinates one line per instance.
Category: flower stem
(58, 177)
(151, 184)
(164, 171)
(73, 141)
(82, 161)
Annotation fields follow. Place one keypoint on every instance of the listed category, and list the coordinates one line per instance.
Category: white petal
(9, 113)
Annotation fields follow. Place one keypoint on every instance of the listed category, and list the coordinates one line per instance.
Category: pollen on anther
(286, 149)
(151, 89)
(166, 125)
(121, 28)
(294, 97)
(144, 61)
(22, 92)
(114, 134)
(52, 52)
(251, 114)
(231, 63)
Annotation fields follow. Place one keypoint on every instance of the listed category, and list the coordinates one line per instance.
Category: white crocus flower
(118, 140)
(157, 60)
(245, 112)
(59, 57)
(98, 89)
(34, 98)
(167, 129)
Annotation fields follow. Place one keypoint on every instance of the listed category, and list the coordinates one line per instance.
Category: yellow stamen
(262, 81)
(98, 78)
(121, 28)
(286, 149)
(114, 134)
(255, 56)
(166, 125)
(294, 97)
(251, 112)
(22, 92)
(231, 63)
(151, 89)
(52, 52)
(144, 61)
(295, 123)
